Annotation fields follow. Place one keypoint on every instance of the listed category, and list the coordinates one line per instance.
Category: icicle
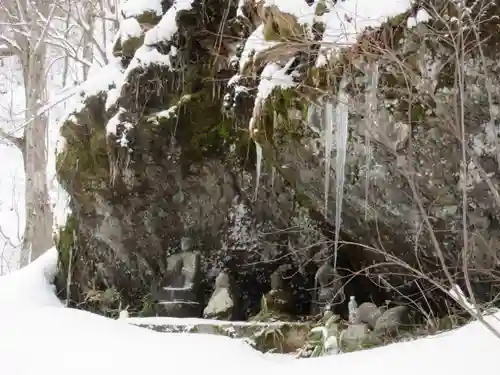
(258, 167)
(371, 109)
(328, 141)
(273, 176)
(341, 135)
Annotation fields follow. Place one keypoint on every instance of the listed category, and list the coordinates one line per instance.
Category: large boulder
(189, 133)
(150, 158)
(368, 313)
(400, 181)
(392, 321)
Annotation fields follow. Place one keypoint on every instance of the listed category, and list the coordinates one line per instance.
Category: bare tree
(25, 41)
(78, 33)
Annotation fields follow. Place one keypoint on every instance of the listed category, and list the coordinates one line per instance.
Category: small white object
(123, 315)
(353, 308)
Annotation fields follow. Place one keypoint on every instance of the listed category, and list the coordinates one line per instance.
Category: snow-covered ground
(39, 336)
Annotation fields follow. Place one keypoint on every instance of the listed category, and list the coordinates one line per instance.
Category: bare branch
(45, 29)
(6, 52)
(9, 46)
(16, 141)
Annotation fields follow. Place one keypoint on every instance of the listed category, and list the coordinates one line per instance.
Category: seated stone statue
(328, 289)
(278, 302)
(222, 302)
(178, 295)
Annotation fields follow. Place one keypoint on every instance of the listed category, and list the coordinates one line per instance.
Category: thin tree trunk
(39, 220)
(88, 46)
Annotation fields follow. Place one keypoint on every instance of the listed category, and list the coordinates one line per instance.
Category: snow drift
(39, 336)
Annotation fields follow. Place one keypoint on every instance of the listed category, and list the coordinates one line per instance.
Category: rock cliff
(242, 133)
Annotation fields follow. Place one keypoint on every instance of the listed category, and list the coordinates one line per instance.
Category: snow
(272, 76)
(166, 113)
(254, 45)
(167, 27)
(134, 8)
(347, 19)
(147, 54)
(30, 286)
(239, 10)
(421, 16)
(130, 28)
(40, 336)
(112, 125)
(170, 321)
(100, 81)
(144, 56)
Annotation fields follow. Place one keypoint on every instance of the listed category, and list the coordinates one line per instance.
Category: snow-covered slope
(30, 287)
(39, 336)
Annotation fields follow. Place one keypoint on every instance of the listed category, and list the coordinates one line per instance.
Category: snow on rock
(303, 12)
(239, 11)
(255, 44)
(147, 54)
(130, 28)
(100, 81)
(112, 125)
(421, 16)
(272, 76)
(167, 27)
(31, 286)
(171, 321)
(345, 20)
(135, 8)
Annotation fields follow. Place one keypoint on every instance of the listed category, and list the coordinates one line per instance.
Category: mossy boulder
(404, 169)
(153, 159)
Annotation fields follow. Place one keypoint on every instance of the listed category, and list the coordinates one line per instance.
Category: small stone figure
(221, 304)
(279, 298)
(353, 308)
(177, 294)
(328, 288)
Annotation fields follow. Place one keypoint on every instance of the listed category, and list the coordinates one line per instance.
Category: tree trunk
(38, 236)
(88, 46)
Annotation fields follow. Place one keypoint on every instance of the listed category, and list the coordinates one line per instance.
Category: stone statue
(279, 298)
(178, 294)
(328, 289)
(221, 304)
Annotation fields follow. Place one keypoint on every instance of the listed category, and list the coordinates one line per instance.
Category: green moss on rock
(65, 242)
(83, 165)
